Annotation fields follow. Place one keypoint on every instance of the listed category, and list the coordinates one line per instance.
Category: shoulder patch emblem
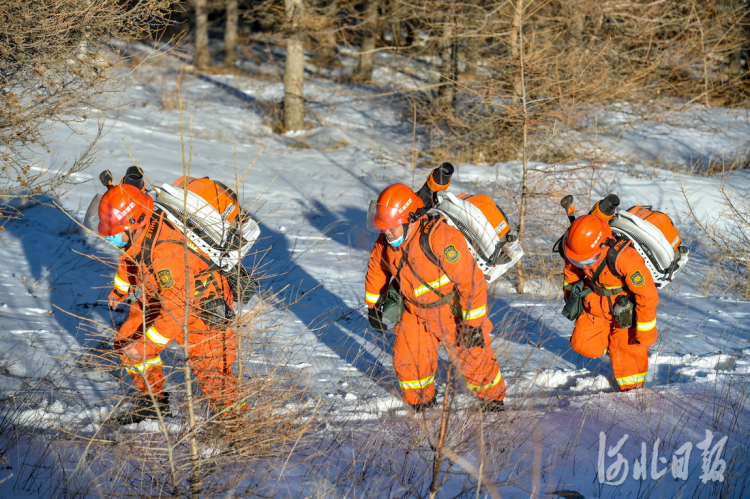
(451, 254)
(637, 278)
(166, 280)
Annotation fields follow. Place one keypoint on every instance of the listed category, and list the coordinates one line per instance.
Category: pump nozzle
(570, 209)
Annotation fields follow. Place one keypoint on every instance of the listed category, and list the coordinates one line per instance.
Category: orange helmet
(395, 206)
(585, 240)
(124, 207)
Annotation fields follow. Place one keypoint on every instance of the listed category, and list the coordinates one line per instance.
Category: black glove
(469, 336)
(376, 320)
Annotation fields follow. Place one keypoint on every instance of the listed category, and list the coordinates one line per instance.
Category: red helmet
(585, 240)
(124, 207)
(394, 207)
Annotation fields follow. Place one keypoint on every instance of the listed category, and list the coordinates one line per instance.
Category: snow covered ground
(569, 434)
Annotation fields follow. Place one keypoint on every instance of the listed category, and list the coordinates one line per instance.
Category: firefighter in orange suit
(586, 245)
(445, 300)
(180, 297)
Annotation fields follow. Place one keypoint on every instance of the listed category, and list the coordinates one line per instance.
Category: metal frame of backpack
(464, 216)
(216, 232)
(658, 253)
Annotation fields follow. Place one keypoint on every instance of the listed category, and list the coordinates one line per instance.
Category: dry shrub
(727, 236)
(57, 69)
(547, 65)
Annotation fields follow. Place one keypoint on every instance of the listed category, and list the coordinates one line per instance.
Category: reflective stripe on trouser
(594, 335)
(415, 354)
(417, 384)
(631, 380)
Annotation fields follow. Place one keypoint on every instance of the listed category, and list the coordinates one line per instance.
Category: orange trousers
(211, 355)
(415, 357)
(594, 335)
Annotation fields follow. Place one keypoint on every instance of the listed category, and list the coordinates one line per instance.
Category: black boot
(426, 405)
(491, 406)
(144, 408)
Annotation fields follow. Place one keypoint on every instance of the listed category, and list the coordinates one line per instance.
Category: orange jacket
(457, 271)
(171, 284)
(637, 281)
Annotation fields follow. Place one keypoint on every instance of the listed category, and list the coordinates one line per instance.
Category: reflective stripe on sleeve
(490, 385)
(567, 286)
(371, 298)
(153, 335)
(122, 286)
(475, 314)
(444, 279)
(416, 384)
(136, 368)
(645, 326)
(631, 380)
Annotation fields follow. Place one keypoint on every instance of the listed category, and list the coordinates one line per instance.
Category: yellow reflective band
(476, 313)
(135, 368)
(371, 298)
(484, 387)
(154, 336)
(444, 279)
(414, 385)
(567, 286)
(120, 284)
(631, 380)
(612, 287)
(645, 326)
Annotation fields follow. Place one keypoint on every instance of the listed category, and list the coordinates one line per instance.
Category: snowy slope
(310, 190)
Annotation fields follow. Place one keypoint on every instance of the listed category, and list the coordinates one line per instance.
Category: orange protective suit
(595, 329)
(174, 285)
(422, 328)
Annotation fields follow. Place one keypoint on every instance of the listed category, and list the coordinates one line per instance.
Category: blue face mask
(397, 242)
(116, 240)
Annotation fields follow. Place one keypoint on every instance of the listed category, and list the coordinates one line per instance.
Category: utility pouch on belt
(216, 312)
(242, 284)
(574, 306)
(392, 306)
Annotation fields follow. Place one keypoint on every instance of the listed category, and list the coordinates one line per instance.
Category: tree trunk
(230, 34)
(520, 274)
(294, 69)
(366, 61)
(449, 70)
(202, 55)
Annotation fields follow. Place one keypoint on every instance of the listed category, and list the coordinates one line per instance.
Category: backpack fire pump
(482, 222)
(651, 233)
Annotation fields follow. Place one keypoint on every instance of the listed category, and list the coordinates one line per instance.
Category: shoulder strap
(614, 253)
(425, 231)
(148, 239)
